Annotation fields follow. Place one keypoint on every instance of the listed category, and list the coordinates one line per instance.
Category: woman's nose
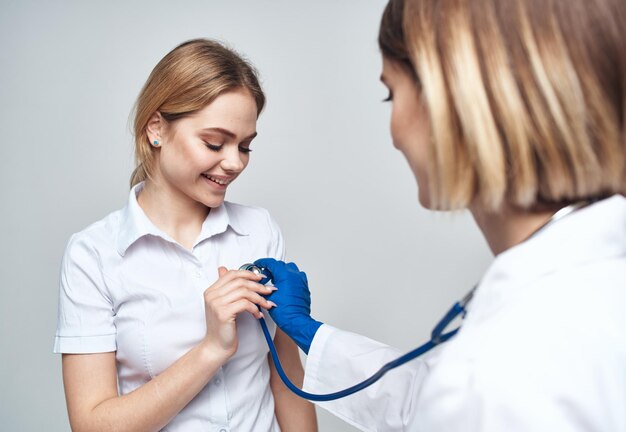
(232, 160)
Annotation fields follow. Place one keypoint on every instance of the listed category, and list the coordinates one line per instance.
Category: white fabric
(543, 346)
(128, 287)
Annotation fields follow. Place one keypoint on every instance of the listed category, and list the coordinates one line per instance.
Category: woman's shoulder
(250, 219)
(97, 236)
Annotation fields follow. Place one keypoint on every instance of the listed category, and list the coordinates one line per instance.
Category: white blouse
(128, 287)
(542, 348)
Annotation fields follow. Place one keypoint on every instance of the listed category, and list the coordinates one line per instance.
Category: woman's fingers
(244, 305)
(221, 271)
(215, 290)
(227, 276)
(234, 286)
(236, 291)
(240, 283)
(245, 293)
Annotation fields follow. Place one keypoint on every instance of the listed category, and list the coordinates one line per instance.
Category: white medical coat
(542, 348)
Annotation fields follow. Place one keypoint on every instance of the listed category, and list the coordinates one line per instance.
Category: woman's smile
(218, 182)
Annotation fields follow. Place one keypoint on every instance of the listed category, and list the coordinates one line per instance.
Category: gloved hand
(293, 300)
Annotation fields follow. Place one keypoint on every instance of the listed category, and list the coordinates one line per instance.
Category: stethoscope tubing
(437, 338)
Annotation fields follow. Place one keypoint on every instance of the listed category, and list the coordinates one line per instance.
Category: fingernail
(272, 303)
(260, 315)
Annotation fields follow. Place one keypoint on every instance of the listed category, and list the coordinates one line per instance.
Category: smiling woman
(202, 153)
(134, 307)
(185, 82)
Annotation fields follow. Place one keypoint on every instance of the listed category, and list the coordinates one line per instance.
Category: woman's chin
(210, 200)
(213, 202)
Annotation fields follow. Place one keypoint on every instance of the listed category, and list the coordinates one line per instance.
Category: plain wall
(323, 164)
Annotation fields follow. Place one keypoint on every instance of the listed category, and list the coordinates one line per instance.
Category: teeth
(218, 181)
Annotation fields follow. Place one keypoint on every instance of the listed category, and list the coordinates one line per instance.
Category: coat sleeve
(339, 359)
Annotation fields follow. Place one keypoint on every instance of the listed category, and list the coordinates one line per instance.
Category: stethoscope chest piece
(251, 267)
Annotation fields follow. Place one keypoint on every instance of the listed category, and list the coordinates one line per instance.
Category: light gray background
(323, 165)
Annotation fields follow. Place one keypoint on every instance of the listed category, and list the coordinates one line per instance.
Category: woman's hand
(91, 382)
(234, 292)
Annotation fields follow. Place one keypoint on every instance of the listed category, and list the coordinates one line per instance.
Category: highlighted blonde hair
(527, 98)
(186, 80)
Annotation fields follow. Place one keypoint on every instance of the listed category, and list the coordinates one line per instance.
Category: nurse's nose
(232, 160)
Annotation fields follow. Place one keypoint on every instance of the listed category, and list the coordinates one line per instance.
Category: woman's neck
(509, 226)
(172, 212)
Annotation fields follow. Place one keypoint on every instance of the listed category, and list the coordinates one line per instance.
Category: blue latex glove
(293, 299)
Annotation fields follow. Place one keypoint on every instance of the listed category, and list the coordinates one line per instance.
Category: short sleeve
(277, 244)
(85, 320)
(276, 250)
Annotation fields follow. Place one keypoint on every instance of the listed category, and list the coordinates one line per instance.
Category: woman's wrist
(212, 354)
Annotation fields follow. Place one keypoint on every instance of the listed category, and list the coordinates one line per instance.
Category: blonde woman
(515, 110)
(146, 300)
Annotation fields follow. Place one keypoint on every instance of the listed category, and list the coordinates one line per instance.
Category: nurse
(514, 110)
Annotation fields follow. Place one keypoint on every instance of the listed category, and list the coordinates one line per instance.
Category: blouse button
(218, 381)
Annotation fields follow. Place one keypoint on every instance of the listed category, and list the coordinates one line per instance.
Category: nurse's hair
(526, 98)
(186, 80)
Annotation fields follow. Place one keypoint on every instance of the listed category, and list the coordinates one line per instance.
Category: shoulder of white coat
(251, 219)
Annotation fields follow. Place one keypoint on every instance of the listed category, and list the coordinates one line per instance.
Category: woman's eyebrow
(227, 133)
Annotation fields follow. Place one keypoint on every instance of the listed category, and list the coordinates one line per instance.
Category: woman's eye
(245, 150)
(213, 146)
(388, 98)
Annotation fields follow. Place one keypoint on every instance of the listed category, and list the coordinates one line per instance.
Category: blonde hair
(527, 98)
(186, 80)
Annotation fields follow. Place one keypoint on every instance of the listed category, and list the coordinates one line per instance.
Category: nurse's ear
(155, 128)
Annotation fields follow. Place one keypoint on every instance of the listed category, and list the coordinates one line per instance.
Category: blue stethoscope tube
(437, 336)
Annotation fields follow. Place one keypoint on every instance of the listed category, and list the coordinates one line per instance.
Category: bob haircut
(186, 80)
(526, 98)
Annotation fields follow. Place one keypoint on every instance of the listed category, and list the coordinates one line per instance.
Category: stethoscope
(438, 334)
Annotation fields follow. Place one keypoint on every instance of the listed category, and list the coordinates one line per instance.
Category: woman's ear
(154, 129)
